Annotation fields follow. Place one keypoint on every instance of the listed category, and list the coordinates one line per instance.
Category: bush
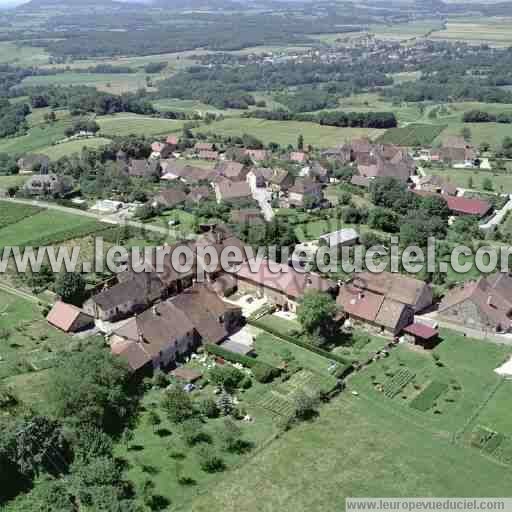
(209, 460)
(264, 373)
(208, 408)
(249, 362)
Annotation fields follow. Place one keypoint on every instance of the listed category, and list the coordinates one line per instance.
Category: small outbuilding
(69, 318)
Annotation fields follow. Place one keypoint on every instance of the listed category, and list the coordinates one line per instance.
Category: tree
(225, 404)
(393, 194)
(466, 133)
(231, 436)
(92, 388)
(418, 226)
(208, 408)
(487, 184)
(70, 286)
(383, 220)
(300, 142)
(305, 405)
(316, 313)
(209, 460)
(178, 404)
(435, 206)
(227, 377)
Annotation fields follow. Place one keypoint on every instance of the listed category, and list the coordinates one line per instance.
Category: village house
(341, 154)
(33, 163)
(227, 191)
(188, 174)
(408, 290)
(455, 151)
(316, 172)
(247, 216)
(299, 157)
(306, 193)
(149, 169)
(343, 238)
(484, 305)
(258, 177)
(169, 198)
(436, 185)
(280, 181)
(374, 310)
(280, 283)
(385, 302)
(161, 150)
(198, 194)
(172, 141)
(208, 155)
(231, 170)
(258, 155)
(173, 329)
(204, 146)
(69, 318)
(47, 185)
(459, 205)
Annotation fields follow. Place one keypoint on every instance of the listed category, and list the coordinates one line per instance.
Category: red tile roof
(63, 316)
(468, 206)
(421, 331)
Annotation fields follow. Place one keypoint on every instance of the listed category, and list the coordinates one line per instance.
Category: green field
(128, 124)
(28, 342)
(75, 146)
(47, 227)
(286, 132)
(372, 445)
(495, 32)
(412, 135)
(353, 449)
(12, 181)
(403, 31)
(23, 56)
(501, 182)
(115, 83)
(37, 138)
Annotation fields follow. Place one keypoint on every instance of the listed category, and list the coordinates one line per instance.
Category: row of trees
(478, 116)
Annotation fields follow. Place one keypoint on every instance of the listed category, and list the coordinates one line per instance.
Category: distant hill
(46, 4)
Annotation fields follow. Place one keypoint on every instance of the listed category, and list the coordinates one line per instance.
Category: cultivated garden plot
(443, 389)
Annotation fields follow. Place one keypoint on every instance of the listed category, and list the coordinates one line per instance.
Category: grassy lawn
(75, 146)
(497, 414)
(47, 227)
(161, 454)
(286, 132)
(353, 449)
(281, 325)
(501, 182)
(127, 124)
(36, 117)
(16, 180)
(28, 341)
(467, 370)
(185, 225)
(315, 229)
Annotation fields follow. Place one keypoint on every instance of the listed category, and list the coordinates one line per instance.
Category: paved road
(498, 217)
(112, 219)
(263, 197)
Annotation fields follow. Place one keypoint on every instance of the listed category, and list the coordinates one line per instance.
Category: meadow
(57, 151)
(116, 83)
(22, 55)
(493, 31)
(128, 124)
(460, 177)
(412, 135)
(403, 31)
(492, 133)
(37, 138)
(47, 227)
(286, 132)
(28, 342)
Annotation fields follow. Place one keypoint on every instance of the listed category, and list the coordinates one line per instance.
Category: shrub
(209, 460)
(264, 373)
(208, 408)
